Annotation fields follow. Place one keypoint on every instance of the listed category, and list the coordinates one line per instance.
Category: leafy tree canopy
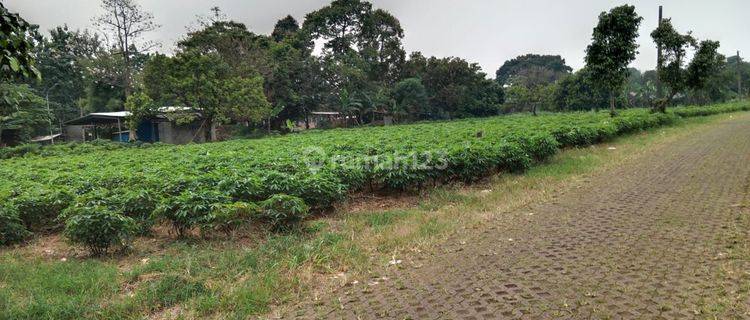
(17, 46)
(612, 49)
(455, 87)
(410, 99)
(705, 64)
(285, 28)
(352, 27)
(520, 64)
(205, 84)
(22, 110)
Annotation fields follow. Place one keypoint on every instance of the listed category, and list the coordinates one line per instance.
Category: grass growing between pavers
(241, 278)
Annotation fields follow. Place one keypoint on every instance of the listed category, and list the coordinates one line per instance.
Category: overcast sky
(484, 31)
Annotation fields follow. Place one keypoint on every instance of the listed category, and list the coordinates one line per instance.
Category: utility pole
(739, 77)
(658, 62)
(49, 111)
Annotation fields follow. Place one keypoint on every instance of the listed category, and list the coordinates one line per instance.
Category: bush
(248, 188)
(12, 229)
(18, 151)
(539, 146)
(98, 228)
(190, 208)
(283, 211)
(321, 190)
(139, 205)
(39, 207)
(227, 218)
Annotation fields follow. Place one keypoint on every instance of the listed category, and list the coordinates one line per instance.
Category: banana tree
(349, 106)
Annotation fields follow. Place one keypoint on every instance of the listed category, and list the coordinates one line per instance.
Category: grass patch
(240, 278)
(38, 289)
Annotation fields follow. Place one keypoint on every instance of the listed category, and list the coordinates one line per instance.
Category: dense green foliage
(69, 148)
(705, 64)
(519, 65)
(98, 228)
(612, 48)
(455, 88)
(206, 84)
(283, 210)
(200, 185)
(17, 40)
(12, 229)
(22, 112)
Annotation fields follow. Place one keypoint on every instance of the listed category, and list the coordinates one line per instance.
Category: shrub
(137, 204)
(539, 146)
(98, 228)
(18, 151)
(248, 188)
(473, 161)
(190, 208)
(227, 218)
(39, 207)
(321, 190)
(283, 211)
(12, 229)
(513, 158)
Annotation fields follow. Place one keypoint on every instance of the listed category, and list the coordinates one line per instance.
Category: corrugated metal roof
(326, 113)
(45, 138)
(116, 114)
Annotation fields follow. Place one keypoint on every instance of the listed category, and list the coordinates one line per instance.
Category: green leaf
(14, 64)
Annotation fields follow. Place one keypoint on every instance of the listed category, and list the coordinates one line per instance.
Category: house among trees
(113, 126)
(329, 119)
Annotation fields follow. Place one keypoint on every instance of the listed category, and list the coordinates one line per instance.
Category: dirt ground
(664, 236)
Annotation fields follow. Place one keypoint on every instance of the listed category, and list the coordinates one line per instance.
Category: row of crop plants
(102, 199)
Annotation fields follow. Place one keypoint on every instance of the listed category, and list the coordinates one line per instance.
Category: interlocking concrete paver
(647, 240)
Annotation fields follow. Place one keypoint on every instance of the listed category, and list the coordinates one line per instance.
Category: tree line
(346, 57)
(544, 82)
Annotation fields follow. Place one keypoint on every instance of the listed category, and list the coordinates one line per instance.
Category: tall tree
(537, 83)
(455, 87)
(285, 28)
(353, 33)
(512, 67)
(410, 100)
(340, 25)
(205, 85)
(706, 62)
(126, 22)
(243, 50)
(612, 49)
(22, 112)
(62, 58)
(381, 46)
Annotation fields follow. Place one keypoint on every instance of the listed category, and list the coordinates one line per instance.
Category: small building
(330, 119)
(112, 126)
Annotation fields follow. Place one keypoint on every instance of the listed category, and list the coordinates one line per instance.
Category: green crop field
(102, 196)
